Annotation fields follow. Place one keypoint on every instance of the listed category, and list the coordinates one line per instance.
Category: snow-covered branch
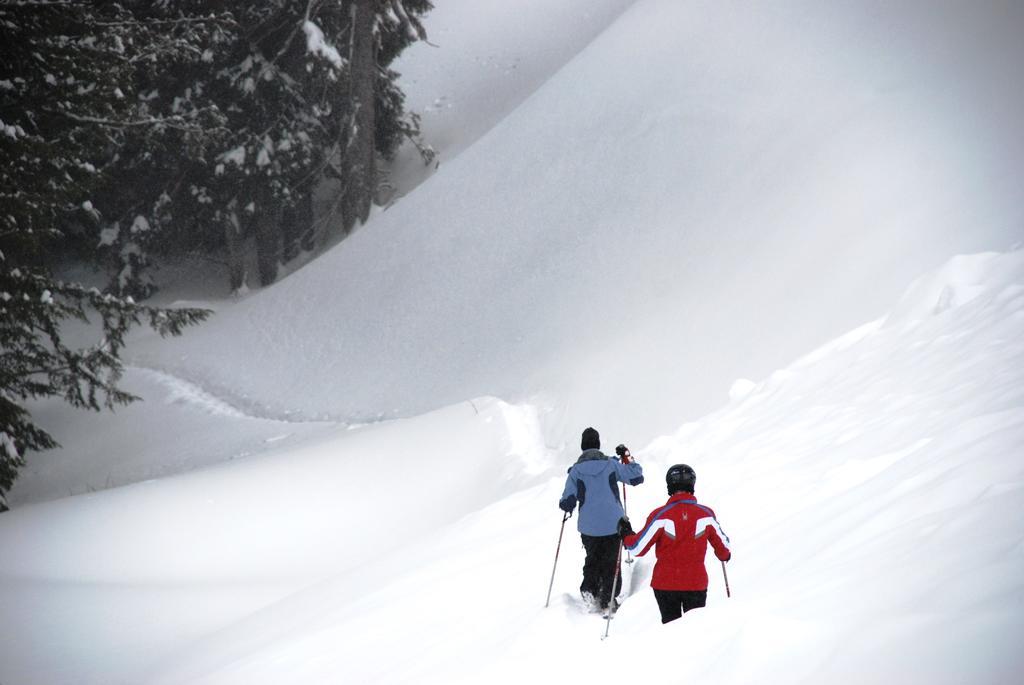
(176, 122)
(412, 26)
(164, 22)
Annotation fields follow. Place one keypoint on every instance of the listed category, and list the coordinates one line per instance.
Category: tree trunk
(236, 252)
(304, 210)
(358, 169)
(297, 225)
(268, 236)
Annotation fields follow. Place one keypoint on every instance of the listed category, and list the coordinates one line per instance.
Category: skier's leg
(617, 572)
(670, 605)
(694, 600)
(591, 567)
(608, 556)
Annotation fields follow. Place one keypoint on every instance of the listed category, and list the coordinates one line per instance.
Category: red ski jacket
(680, 532)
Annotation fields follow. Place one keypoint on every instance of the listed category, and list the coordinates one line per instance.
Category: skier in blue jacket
(593, 483)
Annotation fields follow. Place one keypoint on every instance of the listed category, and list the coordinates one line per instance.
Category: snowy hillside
(650, 217)
(873, 491)
(705, 190)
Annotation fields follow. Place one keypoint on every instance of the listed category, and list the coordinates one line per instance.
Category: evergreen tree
(281, 96)
(36, 362)
(62, 120)
(156, 126)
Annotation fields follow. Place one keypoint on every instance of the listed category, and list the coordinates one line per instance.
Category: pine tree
(35, 361)
(289, 93)
(62, 120)
(198, 126)
(156, 126)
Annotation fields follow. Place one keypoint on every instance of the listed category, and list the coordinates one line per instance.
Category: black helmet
(680, 478)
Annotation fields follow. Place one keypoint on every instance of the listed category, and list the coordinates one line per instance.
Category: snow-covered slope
(102, 584)
(103, 450)
(483, 58)
(705, 190)
(873, 492)
(683, 195)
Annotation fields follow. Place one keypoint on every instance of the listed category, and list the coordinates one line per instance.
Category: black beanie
(591, 440)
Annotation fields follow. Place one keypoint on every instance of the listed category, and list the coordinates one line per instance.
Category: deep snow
(872, 491)
(704, 191)
(651, 219)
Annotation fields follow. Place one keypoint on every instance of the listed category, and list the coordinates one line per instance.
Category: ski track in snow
(522, 421)
(219, 403)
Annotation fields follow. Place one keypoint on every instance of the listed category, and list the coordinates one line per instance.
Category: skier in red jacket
(680, 532)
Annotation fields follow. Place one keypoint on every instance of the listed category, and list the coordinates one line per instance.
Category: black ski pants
(673, 603)
(599, 569)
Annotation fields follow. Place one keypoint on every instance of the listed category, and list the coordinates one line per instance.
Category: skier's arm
(640, 543)
(631, 473)
(716, 536)
(568, 500)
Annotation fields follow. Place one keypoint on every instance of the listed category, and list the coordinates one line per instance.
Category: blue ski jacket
(593, 482)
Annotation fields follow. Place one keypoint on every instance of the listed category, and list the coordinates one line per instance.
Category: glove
(568, 504)
(625, 528)
(624, 456)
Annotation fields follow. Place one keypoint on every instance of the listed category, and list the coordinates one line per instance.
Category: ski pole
(557, 550)
(624, 457)
(613, 603)
(629, 555)
(726, 576)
